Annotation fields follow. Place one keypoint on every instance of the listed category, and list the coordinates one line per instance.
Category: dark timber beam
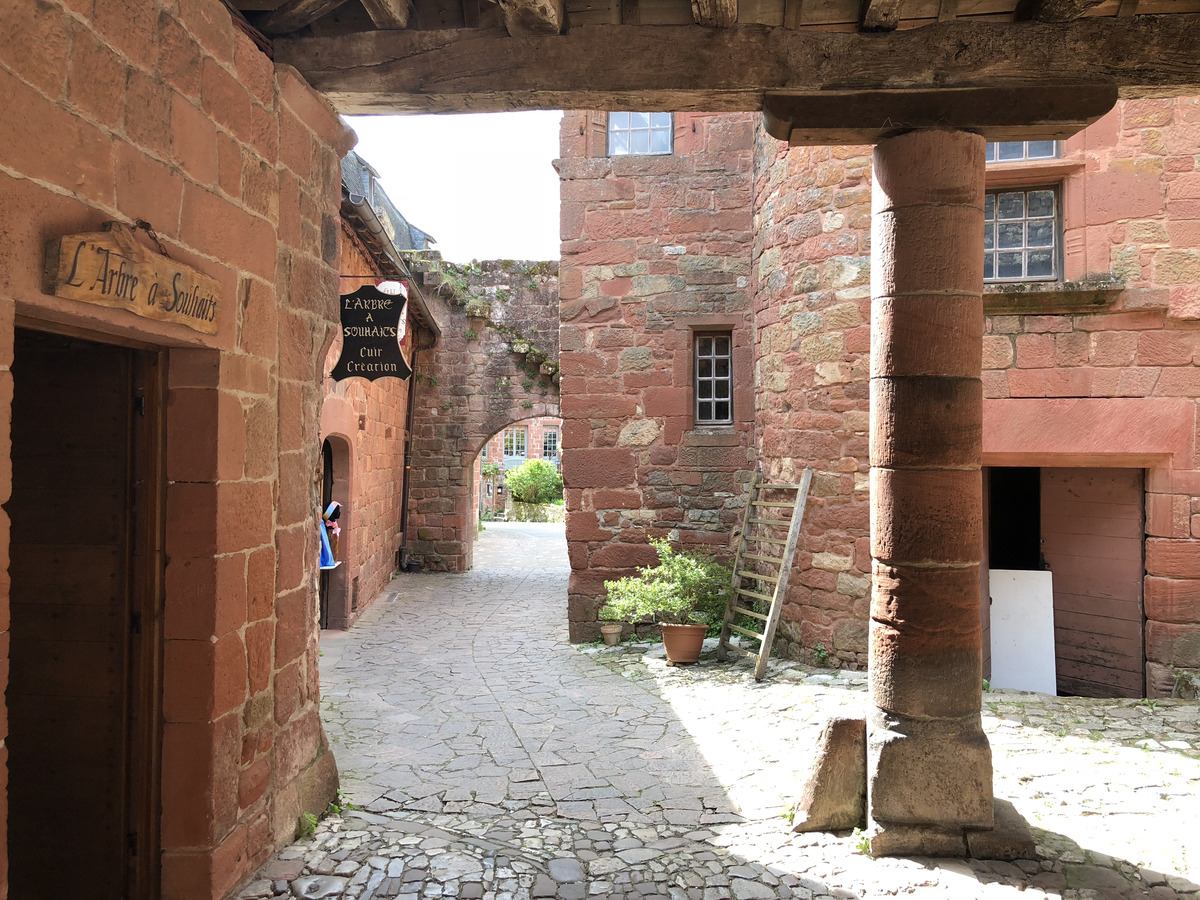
(880, 15)
(523, 17)
(1052, 112)
(293, 15)
(1054, 10)
(387, 13)
(684, 67)
(715, 13)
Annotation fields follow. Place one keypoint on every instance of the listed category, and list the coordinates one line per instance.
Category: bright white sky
(482, 184)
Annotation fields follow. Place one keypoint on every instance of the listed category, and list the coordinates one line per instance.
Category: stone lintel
(1044, 112)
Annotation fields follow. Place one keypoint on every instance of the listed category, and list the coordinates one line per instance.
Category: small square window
(1014, 151)
(550, 445)
(1020, 234)
(713, 358)
(640, 133)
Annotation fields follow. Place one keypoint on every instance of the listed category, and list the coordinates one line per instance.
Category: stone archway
(497, 364)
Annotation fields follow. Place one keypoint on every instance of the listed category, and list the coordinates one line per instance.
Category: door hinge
(139, 406)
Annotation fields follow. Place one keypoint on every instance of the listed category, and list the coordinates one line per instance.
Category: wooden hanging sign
(112, 268)
(371, 335)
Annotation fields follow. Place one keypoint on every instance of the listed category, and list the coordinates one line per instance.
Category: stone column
(929, 766)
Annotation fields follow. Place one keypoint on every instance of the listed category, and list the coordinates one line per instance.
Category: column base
(1009, 839)
(931, 774)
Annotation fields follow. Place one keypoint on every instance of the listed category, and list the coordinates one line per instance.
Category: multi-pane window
(714, 379)
(639, 133)
(1014, 151)
(1020, 235)
(514, 444)
(550, 444)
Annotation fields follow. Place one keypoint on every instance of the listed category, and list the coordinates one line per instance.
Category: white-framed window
(1021, 234)
(713, 381)
(515, 444)
(640, 133)
(550, 444)
(1016, 151)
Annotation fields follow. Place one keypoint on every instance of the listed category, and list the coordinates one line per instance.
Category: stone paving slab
(485, 757)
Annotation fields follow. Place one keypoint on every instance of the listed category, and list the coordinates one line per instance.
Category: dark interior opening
(1014, 518)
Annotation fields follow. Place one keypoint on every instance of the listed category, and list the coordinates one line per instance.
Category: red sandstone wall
(166, 112)
(811, 273)
(1119, 386)
(652, 248)
(480, 378)
(1067, 382)
(365, 420)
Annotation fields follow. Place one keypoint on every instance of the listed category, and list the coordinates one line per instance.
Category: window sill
(1092, 294)
(1032, 172)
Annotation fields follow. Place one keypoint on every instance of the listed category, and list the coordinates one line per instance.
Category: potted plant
(686, 593)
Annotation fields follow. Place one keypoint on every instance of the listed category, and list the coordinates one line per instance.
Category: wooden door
(81, 696)
(1092, 538)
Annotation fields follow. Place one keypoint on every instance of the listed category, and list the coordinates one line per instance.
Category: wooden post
(929, 764)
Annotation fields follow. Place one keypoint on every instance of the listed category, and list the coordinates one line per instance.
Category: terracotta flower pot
(683, 643)
(611, 634)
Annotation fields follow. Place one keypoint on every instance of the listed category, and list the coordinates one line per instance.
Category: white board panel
(1022, 630)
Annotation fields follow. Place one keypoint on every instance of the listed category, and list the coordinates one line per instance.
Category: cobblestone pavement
(485, 757)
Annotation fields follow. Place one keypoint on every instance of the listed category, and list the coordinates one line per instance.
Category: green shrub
(535, 481)
(683, 587)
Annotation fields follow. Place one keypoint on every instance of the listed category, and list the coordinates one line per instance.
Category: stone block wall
(1099, 371)
(167, 112)
(654, 248)
(1119, 386)
(811, 275)
(365, 424)
(496, 364)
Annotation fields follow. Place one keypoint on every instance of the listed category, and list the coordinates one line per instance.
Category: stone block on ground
(1010, 838)
(834, 796)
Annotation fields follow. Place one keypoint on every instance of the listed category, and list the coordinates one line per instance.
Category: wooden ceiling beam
(1054, 10)
(294, 15)
(388, 13)
(1049, 112)
(715, 13)
(684, 67)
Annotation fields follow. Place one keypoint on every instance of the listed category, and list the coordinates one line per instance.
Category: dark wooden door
(80, 720)
(1092, 534)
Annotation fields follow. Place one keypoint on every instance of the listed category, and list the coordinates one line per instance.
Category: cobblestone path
(485, 757)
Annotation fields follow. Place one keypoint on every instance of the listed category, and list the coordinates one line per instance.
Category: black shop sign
(371, 336)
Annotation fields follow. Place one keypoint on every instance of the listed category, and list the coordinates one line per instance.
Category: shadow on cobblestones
(488, 758)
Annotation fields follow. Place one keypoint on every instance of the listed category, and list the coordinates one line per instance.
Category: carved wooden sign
(112, 268)
(371, 335)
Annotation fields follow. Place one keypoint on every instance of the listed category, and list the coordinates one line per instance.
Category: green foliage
(490, 469)
(307, 826)
(527, 384)
(862, 843)
(503, 295)
(470, 334)
(683, 587)
(526, 404)
(820, 655)
(447, 406)
(535, 481)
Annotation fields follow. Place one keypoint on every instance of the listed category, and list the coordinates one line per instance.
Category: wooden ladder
(764, 560)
